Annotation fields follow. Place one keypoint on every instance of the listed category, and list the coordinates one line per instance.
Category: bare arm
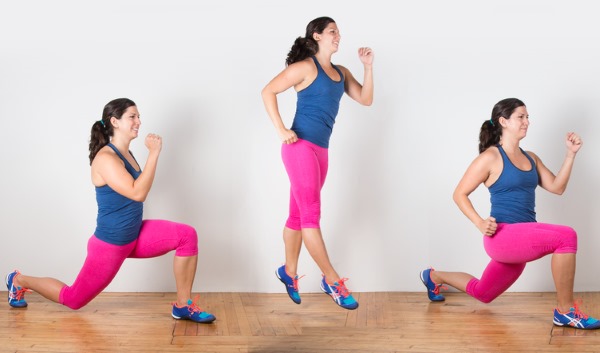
(557, 184)
(477, 173)
(108, 168)
(363, 94)
(293, 75)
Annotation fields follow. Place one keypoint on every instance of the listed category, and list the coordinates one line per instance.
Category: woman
(319, 85)
(121, 188)
(512, 237)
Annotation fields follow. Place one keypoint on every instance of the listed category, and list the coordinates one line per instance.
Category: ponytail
(99, 138)
(302, 49)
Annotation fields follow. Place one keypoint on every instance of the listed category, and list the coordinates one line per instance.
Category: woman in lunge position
(121, 188)
(319, 85)
(512, 237)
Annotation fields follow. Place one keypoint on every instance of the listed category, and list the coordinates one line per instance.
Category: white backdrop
(196, 70)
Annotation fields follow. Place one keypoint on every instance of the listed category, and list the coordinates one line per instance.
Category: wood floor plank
(385, 322)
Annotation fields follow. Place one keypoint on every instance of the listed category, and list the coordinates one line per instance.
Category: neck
(324, 59)
(509, 145)
(121, 144)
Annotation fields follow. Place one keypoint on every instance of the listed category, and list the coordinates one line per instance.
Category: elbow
(140, 197)
(266, 92)
(367, 101)
(456, 197)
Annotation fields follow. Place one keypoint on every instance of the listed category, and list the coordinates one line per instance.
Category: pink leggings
(103, 261)
(511, 248)
(306, 165)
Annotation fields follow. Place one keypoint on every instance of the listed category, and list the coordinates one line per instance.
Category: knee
(570, 240)
(188, 241)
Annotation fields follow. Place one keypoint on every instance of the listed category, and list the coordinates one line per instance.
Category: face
(129, 124)
(329, 39)
(518, 122)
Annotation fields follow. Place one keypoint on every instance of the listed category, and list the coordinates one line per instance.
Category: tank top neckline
(123, 157)
(531, 162)
(320, 68)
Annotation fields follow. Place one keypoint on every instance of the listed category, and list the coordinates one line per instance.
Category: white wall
(196, 69)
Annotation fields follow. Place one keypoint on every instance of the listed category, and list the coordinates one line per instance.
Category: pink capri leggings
(306, 165)
(103, 261)
(511, 248)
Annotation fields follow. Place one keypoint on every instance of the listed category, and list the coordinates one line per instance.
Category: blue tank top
(119, 218)
(513, 194)
(317, 107)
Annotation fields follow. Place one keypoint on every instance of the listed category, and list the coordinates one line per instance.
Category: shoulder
(303, 65)
(491, 154)
(106, 156)
(534, 156)
(343, 69)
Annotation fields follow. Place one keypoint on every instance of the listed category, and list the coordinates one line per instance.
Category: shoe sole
(208, 321)
(560, 324)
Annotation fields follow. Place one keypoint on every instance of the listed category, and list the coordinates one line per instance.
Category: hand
(573, 142)
(153, 142)
(287, 136)
(366, 55)
(488, 226)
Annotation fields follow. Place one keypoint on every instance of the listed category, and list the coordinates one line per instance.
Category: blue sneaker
(291, 284)
(339, 293)
(192, 312)
(575, 319)
(16, 295)
(433, 290)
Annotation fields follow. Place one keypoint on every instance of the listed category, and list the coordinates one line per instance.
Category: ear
(316, 36)
(502, 121)
(114, 122)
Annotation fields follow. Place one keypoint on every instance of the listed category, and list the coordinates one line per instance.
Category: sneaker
(339, 293)
(16, 295)
(192, 312)
(433, 290)
(575, 319)
(291, 284)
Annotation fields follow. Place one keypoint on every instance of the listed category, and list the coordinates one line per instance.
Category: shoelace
(19, 293)
(437, 288)
(341, 288)
(295, 280)
(193, 306)
(578, 313)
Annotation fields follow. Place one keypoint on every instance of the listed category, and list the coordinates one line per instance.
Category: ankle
(292, 272)
(433, 275)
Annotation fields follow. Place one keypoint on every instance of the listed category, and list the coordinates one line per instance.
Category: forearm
(561, 180)
(366, 93)
(466, 207)
(270, 102)
(143, 184)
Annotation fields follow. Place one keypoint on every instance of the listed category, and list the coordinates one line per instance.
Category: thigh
(157, 237)
(524, 242)
(304, 170)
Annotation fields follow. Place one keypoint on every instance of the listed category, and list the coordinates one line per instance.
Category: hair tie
(491, 122)
(102, 122)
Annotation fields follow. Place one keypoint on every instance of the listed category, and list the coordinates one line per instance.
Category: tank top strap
(134, 172)
(506, 159)
(320, 69)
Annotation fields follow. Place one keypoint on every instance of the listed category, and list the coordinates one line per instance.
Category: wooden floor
(253, 322)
